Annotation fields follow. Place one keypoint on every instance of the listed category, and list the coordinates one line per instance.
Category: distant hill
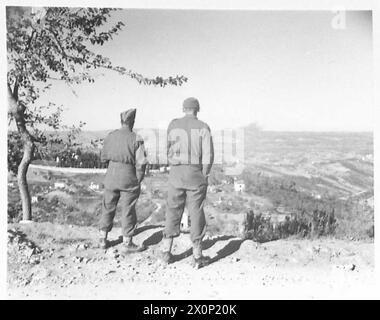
(86, 137)
(258, 141)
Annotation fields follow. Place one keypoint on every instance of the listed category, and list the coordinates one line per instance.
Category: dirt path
(67, 169)
(70, 266)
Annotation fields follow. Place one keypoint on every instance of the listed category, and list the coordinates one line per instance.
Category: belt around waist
(198, 166)
(121, 164)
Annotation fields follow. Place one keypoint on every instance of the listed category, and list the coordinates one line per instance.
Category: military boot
(165, 254)
(199, 261)
(166, 257)
(103, 242)
(130, 247)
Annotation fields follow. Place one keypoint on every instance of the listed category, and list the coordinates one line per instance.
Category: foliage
(54, 44)
(323, 222)
(14, 209)
(371, 231)
(262, 229)
(341, 217)
(58, 44)
(79, 159)
(14, 151)
(258, 227)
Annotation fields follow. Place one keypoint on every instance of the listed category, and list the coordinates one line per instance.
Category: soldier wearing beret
(125, 153)
(190, 156)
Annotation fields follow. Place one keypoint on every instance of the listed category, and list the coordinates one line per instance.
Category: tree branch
(30, 40)
(12, 109)
(58, 43)
(15, 90)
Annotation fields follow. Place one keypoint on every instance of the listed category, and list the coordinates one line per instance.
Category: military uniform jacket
(126, 154)
(190, 151)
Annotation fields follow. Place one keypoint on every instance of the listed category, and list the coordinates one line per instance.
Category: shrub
(371, 232)
(326, 215)
(14, 211)
(323, 223)
(258, 228)
(297, 225)
(261, 228)
(15, 153)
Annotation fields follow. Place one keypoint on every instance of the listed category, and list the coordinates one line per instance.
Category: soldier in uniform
(190, 156)
(125, 153)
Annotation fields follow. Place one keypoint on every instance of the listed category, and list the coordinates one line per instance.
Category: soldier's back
(120, 149)
(120, 145)
(187, 123)
(185, 152)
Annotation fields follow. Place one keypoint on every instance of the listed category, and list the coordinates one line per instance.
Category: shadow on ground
(230, 248)
(206, 244)
(144, 228)
(115, 242)
(153, 239)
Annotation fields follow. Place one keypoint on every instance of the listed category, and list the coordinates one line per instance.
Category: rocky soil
(53, 261)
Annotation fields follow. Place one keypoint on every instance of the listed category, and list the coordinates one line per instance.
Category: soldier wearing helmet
(190, 155)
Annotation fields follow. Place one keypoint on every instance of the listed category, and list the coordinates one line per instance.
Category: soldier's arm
(207, 151)
(141, 159)
(169, 143)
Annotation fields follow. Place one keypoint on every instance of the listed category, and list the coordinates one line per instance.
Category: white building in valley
(239, 186)
(59, 185)
(94, 186)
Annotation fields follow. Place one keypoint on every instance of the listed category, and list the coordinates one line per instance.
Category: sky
(284, 70)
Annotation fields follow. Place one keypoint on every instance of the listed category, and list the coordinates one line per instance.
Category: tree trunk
(18, 112)
(21, 178)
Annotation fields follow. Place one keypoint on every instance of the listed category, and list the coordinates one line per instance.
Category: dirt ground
(54, 261)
